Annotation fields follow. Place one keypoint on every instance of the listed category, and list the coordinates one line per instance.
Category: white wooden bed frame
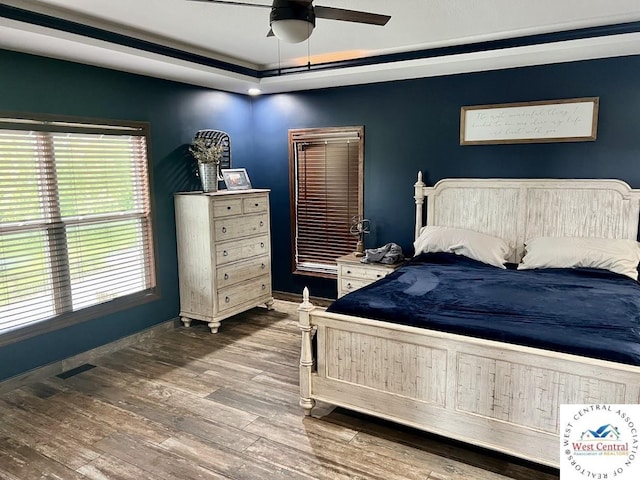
(487, 393)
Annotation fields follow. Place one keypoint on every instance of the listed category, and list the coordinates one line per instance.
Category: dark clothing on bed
(586, 312)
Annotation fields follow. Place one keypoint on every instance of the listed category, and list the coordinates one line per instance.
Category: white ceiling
(237, 35)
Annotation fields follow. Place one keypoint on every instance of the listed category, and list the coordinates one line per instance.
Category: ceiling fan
(293, 21)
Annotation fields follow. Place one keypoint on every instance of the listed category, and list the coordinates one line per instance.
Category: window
(326, 195)
(75, 222)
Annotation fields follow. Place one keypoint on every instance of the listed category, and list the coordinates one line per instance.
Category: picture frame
(566, 120)
(236, 179)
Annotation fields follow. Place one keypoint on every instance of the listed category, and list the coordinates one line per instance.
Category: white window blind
(327, 181)
(75, 220)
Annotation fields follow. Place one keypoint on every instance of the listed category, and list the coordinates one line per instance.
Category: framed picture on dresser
(236, 179)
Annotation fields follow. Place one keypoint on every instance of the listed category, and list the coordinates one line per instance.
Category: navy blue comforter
(586, 312)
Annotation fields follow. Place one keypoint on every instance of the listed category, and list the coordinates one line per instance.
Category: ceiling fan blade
(350, 15)
(224, 2)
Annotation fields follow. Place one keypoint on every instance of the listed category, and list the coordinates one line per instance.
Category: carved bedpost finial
(306, 304)
(305, 308)
(419, 198)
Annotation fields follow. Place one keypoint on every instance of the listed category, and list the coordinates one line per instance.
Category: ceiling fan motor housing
(292, 10)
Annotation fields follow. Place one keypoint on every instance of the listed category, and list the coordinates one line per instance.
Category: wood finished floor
(192, 405)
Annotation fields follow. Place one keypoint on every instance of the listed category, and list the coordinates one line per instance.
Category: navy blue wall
(174, 112)
(409, 126)
(414, 125)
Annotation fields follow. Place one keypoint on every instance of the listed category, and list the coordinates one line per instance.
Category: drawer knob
(225, 253)
(348, 286)
(226, 276)
(264, 286)
(261, 244)
(257, 204)
(263, 266)
(378, 276)
(224, 229)
(227, 299)
(261, 223)
(349, 271)
(229, 208)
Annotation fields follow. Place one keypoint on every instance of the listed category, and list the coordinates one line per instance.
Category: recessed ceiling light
(254, 91)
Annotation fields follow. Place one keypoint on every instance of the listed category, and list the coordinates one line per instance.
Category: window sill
(310, 273)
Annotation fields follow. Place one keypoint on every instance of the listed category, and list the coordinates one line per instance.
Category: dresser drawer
(227, 207)
(364, 272)
(255, 204)
(229, 228)
(239, 272)
(245, 292)
(242, 249)
(351, 284)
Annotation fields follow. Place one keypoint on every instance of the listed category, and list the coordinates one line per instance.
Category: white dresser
(224, 254)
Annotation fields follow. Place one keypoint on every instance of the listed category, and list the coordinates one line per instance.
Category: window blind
(75, 220)
(328, 195)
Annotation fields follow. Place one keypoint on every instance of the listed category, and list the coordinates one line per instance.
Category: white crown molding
(566, 51)
(33, 39)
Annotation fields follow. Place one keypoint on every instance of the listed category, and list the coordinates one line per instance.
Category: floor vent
(75, 371)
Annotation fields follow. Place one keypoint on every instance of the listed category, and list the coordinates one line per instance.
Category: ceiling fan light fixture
(292, 21)
(292, 30)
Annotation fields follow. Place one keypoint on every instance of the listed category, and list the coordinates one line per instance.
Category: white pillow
(618, 256)
(478, 246)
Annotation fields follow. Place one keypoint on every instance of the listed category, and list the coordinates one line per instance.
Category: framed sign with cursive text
(569, 120)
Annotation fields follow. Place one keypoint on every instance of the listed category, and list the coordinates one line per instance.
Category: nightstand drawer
(230, 228)
(350, 284)
(365, 273)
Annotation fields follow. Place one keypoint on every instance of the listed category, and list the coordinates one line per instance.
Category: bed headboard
(519, 209)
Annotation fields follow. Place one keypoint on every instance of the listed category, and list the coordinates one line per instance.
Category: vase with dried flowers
(208, 154)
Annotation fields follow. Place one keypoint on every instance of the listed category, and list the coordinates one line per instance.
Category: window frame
(320, 133)
(87, 125)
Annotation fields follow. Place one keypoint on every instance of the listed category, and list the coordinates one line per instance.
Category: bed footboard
(495, 395)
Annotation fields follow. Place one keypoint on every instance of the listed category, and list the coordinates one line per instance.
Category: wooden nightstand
(353, 274)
